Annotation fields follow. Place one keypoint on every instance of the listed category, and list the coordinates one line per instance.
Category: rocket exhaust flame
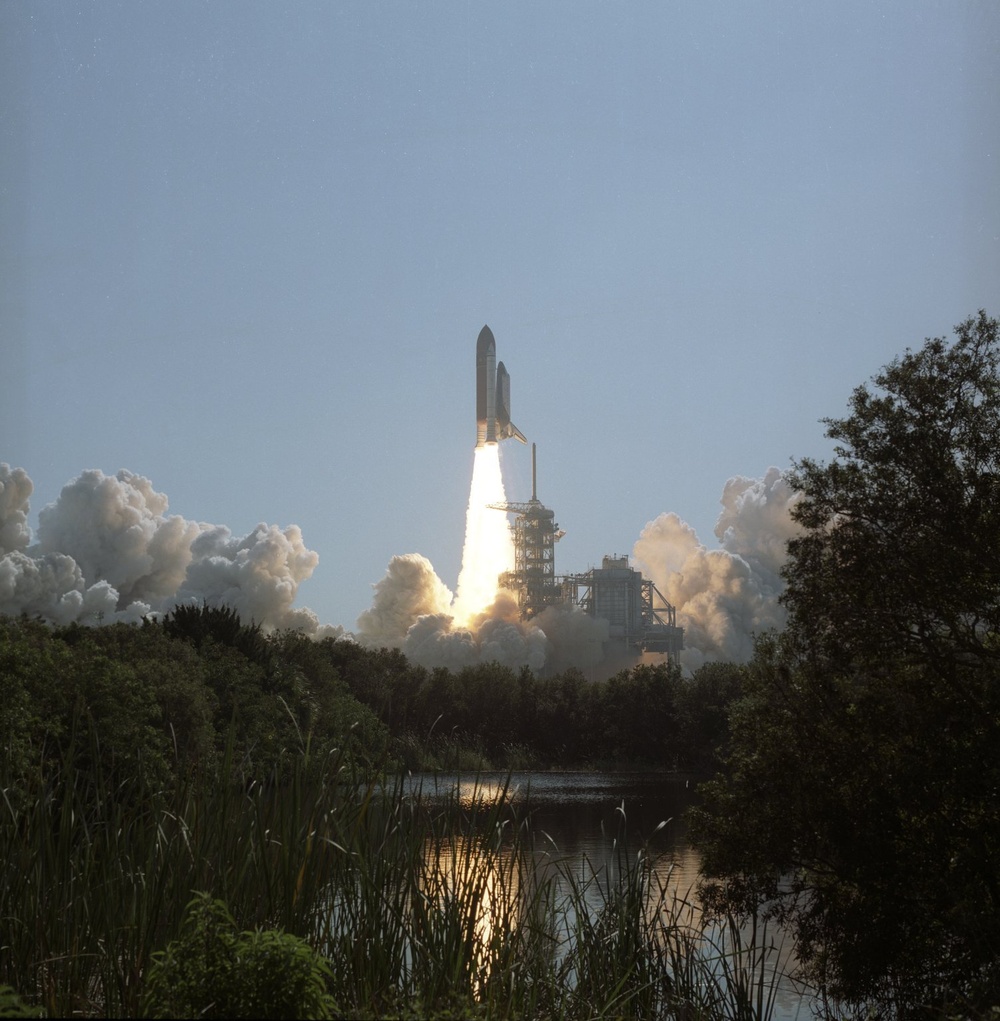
(489, 549)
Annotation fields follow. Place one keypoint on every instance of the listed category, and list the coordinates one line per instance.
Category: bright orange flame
(489, 549)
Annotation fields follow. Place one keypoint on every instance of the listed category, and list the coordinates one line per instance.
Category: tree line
(645, 716)
(177, 698)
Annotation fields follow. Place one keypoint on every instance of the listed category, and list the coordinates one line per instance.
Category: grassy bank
(418, 911)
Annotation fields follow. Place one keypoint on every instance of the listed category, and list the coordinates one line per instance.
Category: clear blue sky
(248, 247)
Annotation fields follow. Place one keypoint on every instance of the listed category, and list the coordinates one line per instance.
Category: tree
(861, 797)
(902, 548)
(703, 702)
(638, 711)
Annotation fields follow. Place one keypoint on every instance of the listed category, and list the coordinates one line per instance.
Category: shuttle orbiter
(492, 394)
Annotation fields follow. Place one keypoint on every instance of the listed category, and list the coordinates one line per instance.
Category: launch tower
(535, 534)
(639, 617)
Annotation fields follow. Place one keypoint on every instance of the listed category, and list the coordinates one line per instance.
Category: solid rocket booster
(486, 357)
(492, 394)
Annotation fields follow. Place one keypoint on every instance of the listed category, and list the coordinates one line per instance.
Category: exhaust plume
(488, 550)
(413, 610)
(724, 596)
(107, 551)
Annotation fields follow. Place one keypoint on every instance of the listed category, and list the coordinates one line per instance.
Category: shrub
(213, 970)
(11, 1005)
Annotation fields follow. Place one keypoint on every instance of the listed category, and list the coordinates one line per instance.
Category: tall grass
(420, 909)
(637, 947)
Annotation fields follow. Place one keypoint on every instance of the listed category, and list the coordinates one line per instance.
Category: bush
(11, 1005)
(213, 970)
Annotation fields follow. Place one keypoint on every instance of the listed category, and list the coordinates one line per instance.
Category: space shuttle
(492, 394)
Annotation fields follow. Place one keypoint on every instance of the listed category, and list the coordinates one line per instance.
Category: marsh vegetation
(412, 909)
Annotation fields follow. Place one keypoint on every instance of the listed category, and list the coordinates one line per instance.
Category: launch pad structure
(639, 617)
(535, 535)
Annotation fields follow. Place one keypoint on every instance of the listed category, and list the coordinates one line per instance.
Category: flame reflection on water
(583, 833)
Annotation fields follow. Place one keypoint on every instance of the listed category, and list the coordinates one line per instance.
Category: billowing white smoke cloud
(410, 590)
(115, 529)
(108, 551)
(15, 491)
(724, 596)
(411, 611)
(54, 588)
(48, 585)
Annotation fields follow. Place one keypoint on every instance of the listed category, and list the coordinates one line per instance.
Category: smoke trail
(107, 551)
(724, 596)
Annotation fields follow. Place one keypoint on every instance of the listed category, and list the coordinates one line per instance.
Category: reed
(639, 948)
(420, 910)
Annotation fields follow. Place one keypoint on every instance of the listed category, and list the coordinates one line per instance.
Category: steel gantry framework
(639, 617)
(535, 535)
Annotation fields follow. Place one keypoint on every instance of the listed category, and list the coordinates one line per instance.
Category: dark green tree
(564, 714)
(862, 799)
(221, 625)
(702, 708)
(901, 552)
(639, 717)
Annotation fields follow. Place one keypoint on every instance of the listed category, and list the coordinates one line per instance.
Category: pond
(588, 819)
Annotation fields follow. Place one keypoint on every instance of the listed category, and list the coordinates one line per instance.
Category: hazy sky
(248, 248)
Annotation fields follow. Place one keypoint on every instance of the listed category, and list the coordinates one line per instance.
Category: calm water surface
(586, 819)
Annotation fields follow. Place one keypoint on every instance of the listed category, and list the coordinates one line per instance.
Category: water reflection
(480, 792)
(591, 834)
(588, 817)
(476, 892)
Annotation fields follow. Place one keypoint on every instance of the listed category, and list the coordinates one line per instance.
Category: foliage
(161, 703)
(646, 716)
(860, 802)
(901, 554)
(56, 691)
(11, 1005)
(94, 877)
(141, 762)
(220, 625)
(702, 707)
(213, 970)
(168, 700)
(423, 910)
